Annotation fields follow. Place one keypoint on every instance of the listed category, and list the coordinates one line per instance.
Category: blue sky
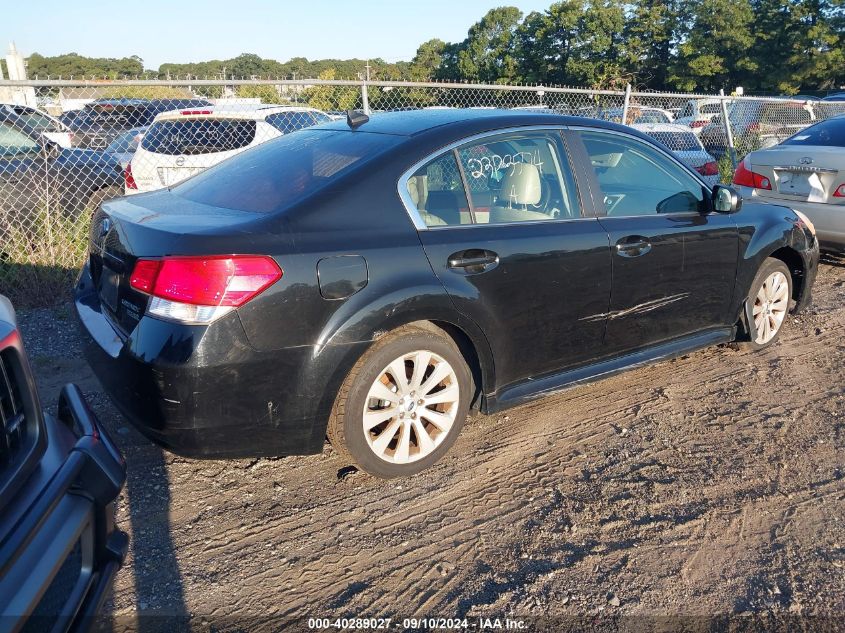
(196, 30)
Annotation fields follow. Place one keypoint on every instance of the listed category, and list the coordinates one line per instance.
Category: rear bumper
(59, 562)
(203, 391)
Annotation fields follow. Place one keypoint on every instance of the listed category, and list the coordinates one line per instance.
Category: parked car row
(37, 174)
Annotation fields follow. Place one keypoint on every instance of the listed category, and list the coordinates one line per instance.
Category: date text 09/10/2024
(418, 624)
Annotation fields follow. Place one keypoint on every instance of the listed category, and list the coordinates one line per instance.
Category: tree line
(766, 46)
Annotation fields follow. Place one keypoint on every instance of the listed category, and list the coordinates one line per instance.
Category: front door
(674, 258)
(517, 255)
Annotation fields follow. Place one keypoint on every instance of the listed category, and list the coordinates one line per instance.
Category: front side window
(637, 179)
(13, 142)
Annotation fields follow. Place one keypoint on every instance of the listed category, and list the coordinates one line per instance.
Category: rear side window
(510, 178)
(275, 175)
(438, 193)
(287, 122)
(830, 133)
(192, 137)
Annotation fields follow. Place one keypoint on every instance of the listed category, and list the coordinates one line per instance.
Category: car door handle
(633, 246)
(473, 261)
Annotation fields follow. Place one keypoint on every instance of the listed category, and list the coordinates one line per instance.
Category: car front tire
(769, 302)
(403, 405)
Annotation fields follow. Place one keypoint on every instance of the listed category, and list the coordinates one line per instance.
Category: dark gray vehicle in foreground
(59, 477)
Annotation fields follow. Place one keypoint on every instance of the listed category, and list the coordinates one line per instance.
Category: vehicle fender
(761, 234)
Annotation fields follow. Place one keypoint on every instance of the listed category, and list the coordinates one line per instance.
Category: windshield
(829, 133)
(276, 174)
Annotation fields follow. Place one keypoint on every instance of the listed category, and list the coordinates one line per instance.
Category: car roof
(463, 121)
(248, 111)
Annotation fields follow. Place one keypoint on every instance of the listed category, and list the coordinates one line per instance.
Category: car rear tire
(769, 302)
(403, 405)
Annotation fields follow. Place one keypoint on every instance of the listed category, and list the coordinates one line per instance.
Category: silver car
(685, 145)
(805, 172)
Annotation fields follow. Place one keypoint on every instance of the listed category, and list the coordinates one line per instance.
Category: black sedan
(371, 280)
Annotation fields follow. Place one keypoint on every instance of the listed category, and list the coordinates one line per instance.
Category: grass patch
(40, 256)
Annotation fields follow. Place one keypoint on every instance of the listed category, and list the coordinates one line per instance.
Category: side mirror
(50, 149)
(726, 199)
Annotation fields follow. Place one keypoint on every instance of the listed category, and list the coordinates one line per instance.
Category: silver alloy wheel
(411, 407)
(770, 306)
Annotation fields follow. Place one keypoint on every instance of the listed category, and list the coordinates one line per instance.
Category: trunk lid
(152, 225)
(803, 173)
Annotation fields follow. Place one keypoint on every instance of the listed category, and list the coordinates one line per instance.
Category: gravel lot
(710, 485)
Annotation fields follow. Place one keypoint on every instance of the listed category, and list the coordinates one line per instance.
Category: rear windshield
(783, 114)
(677, 141)
(830, 133)
(118, 115)
(198, 136)
(274, 175)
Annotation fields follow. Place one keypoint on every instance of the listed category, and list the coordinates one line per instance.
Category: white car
(685, 145)
(49, 127)
(182, 143)
(698, 112)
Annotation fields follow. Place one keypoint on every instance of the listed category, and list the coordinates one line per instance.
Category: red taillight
(708, 169)
(144, 275)
(189, 112)
(840, 191)
(219, 280)
(128, 179)
(747, 178)
(699, 123)
(753, 127)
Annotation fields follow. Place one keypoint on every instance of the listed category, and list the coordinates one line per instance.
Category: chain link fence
(65, 146)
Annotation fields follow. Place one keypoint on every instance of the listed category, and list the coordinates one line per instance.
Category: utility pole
(365, 98)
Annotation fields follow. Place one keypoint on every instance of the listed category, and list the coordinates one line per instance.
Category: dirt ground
(710, 485)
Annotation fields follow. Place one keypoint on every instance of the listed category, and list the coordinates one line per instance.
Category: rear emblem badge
(806, 160)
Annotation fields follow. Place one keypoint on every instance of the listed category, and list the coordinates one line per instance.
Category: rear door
(503, 227)
(674, 261)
